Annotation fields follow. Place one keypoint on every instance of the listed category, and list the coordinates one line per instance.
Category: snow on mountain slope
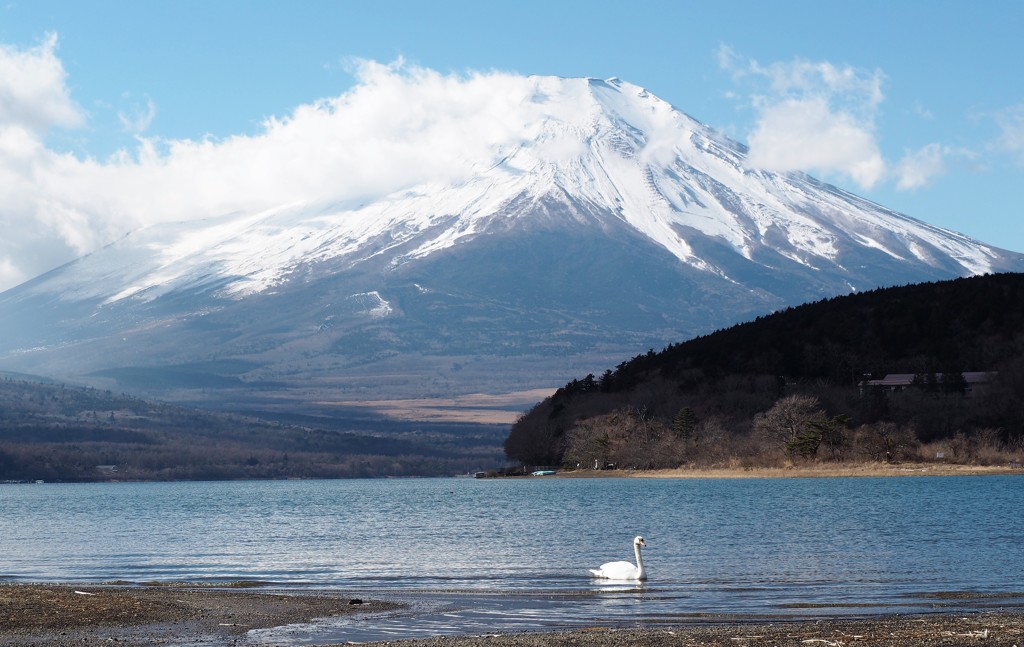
(612, 221)
(606, 144)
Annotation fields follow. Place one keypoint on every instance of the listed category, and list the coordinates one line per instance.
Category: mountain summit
(612, 223)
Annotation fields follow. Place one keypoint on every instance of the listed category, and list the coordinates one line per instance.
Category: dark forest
(796, 386)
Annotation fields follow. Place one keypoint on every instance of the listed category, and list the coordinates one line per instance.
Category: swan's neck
(639, 560)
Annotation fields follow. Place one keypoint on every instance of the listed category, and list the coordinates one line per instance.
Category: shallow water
(486, 555)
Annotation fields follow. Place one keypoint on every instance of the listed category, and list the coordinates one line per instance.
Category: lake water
(477, 556)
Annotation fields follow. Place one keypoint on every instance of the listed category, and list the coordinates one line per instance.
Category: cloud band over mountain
(399, 126)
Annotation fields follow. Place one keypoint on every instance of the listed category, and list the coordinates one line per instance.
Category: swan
(624, 570)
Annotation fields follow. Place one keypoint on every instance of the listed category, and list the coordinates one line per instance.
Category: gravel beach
(984, 630)
(62, 616)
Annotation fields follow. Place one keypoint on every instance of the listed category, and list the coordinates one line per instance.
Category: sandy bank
(806, 471)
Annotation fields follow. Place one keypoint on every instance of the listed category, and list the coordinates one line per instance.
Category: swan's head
(639, 541)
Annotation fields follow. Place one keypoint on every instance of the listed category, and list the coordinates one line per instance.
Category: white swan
(624, 570)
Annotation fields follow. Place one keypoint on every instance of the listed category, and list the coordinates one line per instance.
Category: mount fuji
(614, 224)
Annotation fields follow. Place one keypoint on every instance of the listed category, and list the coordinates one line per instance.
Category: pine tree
(685, 423)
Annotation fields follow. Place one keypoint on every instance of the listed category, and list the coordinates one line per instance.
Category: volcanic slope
(609, 224)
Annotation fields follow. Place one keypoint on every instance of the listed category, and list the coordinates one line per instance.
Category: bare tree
(887, 441)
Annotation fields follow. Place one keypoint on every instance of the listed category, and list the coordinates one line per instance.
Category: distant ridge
(59, 432)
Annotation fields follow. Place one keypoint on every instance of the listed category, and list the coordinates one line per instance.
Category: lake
(483, 555)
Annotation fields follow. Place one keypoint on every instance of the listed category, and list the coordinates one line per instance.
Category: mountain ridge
(533, 179)
(606, 222)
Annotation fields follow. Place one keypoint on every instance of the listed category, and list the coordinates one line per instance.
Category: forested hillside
(56, 432)
(794, 386)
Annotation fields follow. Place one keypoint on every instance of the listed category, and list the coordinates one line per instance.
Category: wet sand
(62, 616)
(33, 614)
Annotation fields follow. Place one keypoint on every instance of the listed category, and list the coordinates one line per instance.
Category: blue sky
(916, 105)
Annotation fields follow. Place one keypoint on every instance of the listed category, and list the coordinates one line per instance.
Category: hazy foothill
(57, 432)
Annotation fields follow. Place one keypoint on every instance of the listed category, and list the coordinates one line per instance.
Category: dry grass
(808, 471)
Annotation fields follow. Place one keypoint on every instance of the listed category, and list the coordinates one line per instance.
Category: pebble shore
(133, 616)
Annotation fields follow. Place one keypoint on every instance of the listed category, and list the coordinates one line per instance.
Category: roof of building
(906, 379)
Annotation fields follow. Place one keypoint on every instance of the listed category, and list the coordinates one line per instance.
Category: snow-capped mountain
(615, 224)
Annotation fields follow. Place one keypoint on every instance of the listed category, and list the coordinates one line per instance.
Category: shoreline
(810, 470)
(183, 614)
(132, 615)
(817, 470)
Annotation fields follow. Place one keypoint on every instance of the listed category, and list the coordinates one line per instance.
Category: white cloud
(33, 95)
(730, 60)
(812, 116)
(863, 91)
(1011, 137)
(139, 119)
(9, 272)
(397, 127)
(921, 111)
(807, 135)
(918, 168)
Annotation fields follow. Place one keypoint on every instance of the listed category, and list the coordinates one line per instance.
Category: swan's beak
(643, 543)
